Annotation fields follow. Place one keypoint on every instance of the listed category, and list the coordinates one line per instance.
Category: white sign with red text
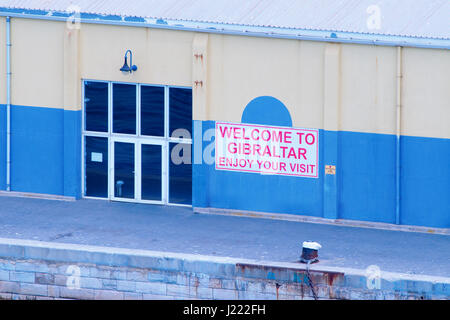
(267, 149)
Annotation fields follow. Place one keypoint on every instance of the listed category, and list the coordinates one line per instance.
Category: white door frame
(138, 140)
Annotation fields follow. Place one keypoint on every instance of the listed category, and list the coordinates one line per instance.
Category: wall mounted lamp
(126, 68)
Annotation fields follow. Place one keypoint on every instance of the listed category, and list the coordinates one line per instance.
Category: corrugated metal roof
(405, 18)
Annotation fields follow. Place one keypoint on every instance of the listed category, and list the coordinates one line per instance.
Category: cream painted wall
(243, 68)
(368, 88)
(162, 56)
(426, 93)
(37, 55)
(2, 60)
(236, 70)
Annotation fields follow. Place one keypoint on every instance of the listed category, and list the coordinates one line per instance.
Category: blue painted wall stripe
(72, 153)
(45, 151)
(425, 182)
(329, 149)
(250, 191)
(37, 158)
(362, 189)
(367, 177)
(2, 147)
(267, 110)
(46, 158)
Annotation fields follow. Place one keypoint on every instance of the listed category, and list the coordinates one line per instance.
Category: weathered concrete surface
(44, 270)
(178, 229)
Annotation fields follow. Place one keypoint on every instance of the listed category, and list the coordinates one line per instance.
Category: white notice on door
(96, 157)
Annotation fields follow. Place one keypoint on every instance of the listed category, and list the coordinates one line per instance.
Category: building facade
(79, 127)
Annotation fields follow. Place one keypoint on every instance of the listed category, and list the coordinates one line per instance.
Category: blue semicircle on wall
(267, 110)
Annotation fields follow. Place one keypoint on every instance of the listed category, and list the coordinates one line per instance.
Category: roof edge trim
(239, 30)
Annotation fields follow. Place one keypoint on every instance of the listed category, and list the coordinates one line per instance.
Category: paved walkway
(178, 229)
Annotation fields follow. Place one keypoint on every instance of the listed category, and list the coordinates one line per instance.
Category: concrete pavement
(179, 230)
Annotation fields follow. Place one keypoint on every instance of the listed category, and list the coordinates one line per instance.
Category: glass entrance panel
(137, 142)
(96, 106)
(124, 108)
(152, 111)
(180, 174)
(124, 183)
(151, 172)
(180, 114)
(96, 167)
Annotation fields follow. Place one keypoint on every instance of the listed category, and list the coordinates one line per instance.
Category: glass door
(123, 167)
(152, 166)
(137, 171)
(137, 141)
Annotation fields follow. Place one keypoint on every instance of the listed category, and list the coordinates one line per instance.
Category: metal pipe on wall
(8, 104)
(398, 133)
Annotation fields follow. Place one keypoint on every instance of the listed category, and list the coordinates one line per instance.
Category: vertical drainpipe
(8, 104)
(398, 133)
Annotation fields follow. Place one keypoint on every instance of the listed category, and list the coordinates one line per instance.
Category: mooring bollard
(310, 252)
